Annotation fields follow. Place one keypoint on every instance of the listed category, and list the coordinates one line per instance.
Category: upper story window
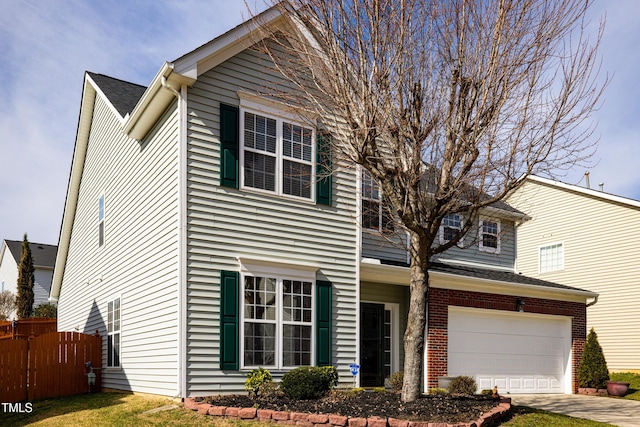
(451, 225)
(113, 333)
(101, 221)
(551, 258)
(277, 313)
(489, 235)
(277, 155)
(374, 215)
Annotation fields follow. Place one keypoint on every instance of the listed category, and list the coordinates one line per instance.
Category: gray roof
(43, 255)
(123, 95)
(489, 274)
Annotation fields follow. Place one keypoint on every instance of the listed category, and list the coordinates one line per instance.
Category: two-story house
(203, 237)
(44, 257)
(573, 237)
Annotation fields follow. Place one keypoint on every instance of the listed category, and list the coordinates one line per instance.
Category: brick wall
(441, 299)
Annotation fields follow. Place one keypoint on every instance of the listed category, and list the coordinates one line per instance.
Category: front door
(372, 345)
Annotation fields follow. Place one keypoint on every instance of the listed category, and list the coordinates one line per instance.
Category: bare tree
(7, 304)
(447, 104)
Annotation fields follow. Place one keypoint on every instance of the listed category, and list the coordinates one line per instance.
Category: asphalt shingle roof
(123, 95)
(489, 274)
(43, 255)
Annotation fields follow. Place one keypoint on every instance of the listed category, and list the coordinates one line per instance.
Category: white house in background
(44, 258)
(203, 237)
(589, 239)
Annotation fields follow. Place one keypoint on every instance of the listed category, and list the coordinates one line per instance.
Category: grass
(529, 417)
(112, 409)
(633, 379)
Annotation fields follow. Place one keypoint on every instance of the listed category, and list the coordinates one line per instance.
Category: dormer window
(450, 227)
(489, 235)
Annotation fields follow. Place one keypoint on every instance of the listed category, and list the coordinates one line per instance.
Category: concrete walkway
(619, 412)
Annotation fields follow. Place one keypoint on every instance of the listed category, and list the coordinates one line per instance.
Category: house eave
(398, 275)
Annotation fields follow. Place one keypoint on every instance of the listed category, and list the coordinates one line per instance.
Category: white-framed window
(101, 214)
(450, 226)
(551, 257)
(277, 320)
(113, 333)
(277, 155)
(374, 215)
(489, 235)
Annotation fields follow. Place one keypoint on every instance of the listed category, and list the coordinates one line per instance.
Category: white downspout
(181, 386)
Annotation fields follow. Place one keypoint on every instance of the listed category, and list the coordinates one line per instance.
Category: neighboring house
(44, 258)
(190, 246)
(587, 238)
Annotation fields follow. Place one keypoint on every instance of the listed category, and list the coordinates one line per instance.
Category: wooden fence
(26, 328)
(50, 365)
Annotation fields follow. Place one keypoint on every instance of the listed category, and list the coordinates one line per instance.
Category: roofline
(586, 191)
(399, 275)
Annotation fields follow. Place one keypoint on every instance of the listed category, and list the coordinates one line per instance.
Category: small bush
(592, 371)
(395, 380)
(46, 310)
(256, 379)
(463, 385)
(379, 390)
(270, 390)
(436, 391)
(332, 375)
(306, 383)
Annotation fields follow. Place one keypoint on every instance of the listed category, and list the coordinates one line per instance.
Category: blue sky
(48, 45)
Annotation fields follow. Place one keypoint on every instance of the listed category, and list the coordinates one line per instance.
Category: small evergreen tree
(592, 371)
(46, 310)
(24, 301)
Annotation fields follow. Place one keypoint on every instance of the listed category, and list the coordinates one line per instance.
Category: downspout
(594, 302)
(182, 249)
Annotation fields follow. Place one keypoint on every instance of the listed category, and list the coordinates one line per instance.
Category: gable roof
(597, 194)
(44, 255)
(123, 95)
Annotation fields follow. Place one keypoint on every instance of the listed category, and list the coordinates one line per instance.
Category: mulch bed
(433, 408)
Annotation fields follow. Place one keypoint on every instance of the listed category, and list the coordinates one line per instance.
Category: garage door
(518, 352)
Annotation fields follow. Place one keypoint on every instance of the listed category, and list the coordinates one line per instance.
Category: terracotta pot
(617, 388)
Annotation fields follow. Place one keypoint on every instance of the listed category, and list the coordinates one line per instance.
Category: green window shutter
(229, 145)
(323, 323)
(323, 169)
(229, 320)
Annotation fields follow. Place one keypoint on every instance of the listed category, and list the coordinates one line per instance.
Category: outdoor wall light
(520, 304)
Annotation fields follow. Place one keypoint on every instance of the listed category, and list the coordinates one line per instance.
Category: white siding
(225, 223)
(139, 260)
(8, 272)
(601, 240)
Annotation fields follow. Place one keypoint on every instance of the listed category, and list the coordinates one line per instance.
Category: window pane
(259, 171)
(296, 179)
(259, 132)
(259, 298)
(296, 345)
(259, 344)
(552, 258)
(296, 141)
(371, 214)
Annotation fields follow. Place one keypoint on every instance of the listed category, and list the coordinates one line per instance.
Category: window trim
(269, 111)
(102, 214)
(460, 242)
(114, 332)
(550, 245)
(481, 233)
(280, 275)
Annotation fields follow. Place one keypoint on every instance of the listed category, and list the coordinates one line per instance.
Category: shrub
(331, 373)
(46, 310)
(395, 380)
(256, 379)
(463, 385)
(307, 382)
(592, 371)
(270, 390)
(436, 391)
(379, 390)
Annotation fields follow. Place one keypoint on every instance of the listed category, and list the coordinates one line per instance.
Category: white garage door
(518, 352)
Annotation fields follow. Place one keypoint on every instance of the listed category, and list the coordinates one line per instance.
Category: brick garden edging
(322, 420)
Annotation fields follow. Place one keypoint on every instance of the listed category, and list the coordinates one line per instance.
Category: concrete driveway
(620, 412)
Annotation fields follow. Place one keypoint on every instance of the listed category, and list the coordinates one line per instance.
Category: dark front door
(372, 348)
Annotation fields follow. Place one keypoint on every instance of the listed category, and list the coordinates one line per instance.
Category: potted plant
(617, 388)
(592, 371)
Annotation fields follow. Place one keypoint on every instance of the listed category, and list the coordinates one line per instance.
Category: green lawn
(633, 379)
(529, 417)
(111, 409)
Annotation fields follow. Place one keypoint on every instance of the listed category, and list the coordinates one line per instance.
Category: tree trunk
(415, 334)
